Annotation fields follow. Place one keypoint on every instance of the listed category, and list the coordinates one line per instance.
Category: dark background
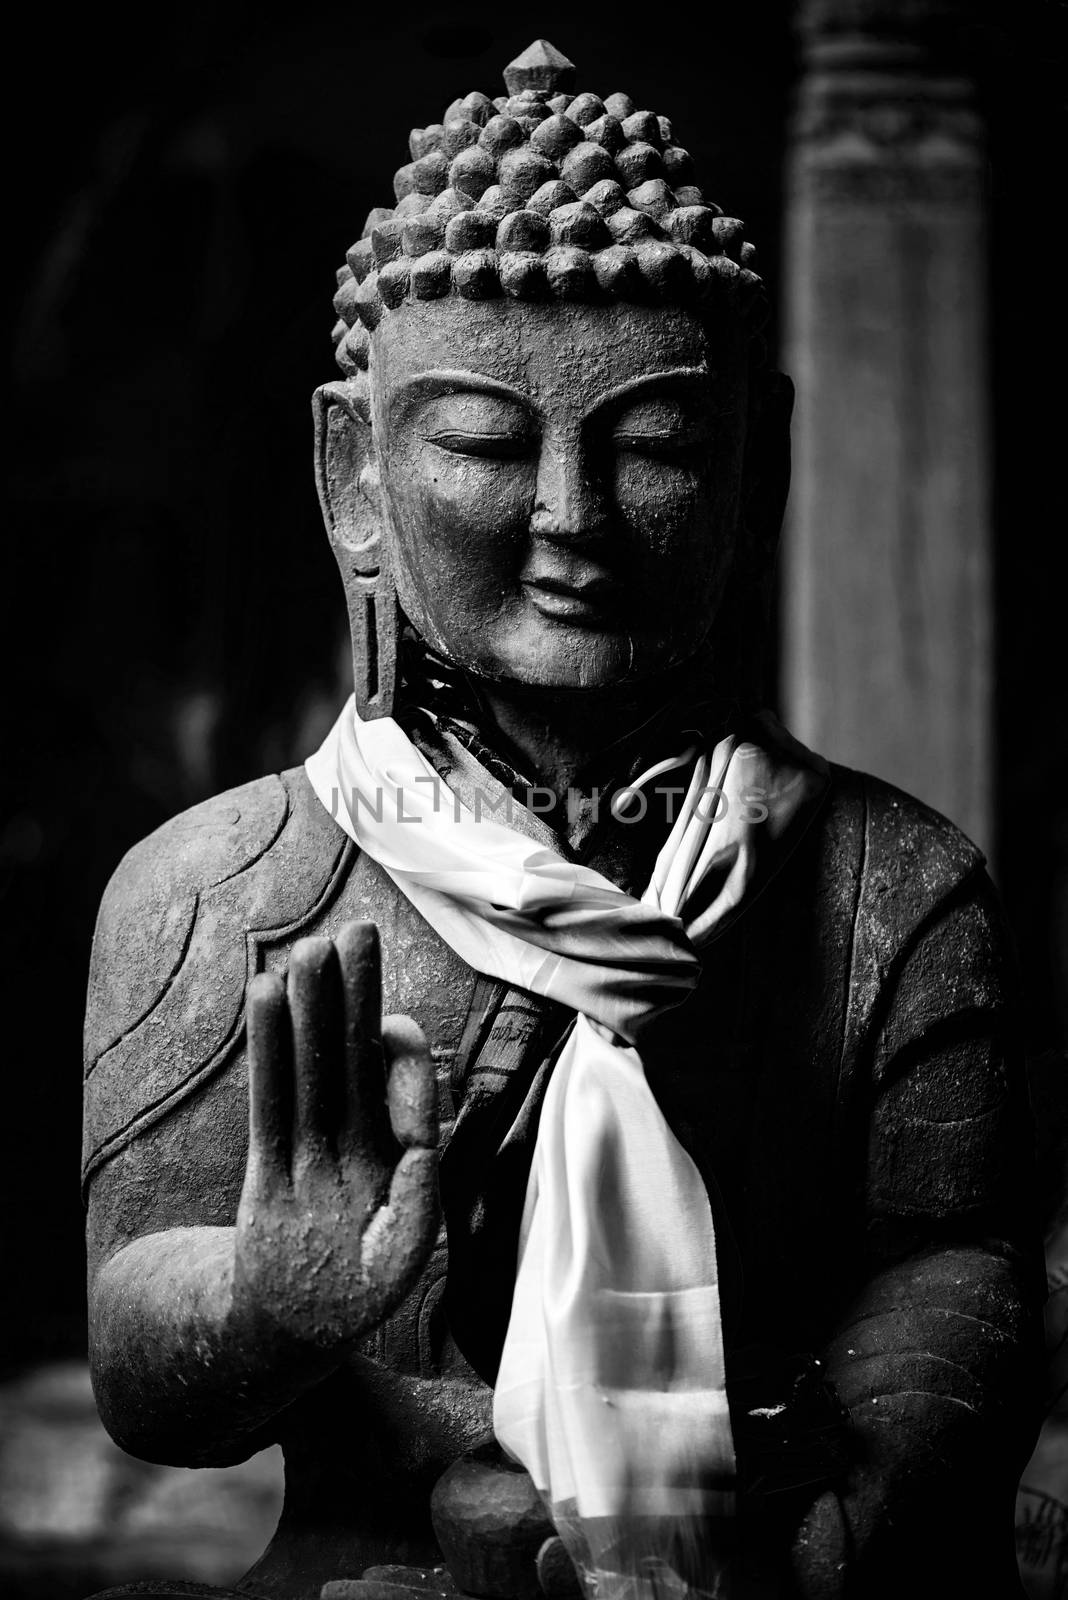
(183, 184)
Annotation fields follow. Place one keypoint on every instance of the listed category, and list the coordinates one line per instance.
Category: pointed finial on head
(541, 66)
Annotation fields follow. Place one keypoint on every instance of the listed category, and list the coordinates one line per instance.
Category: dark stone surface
(556, 1572)
(490, 1523)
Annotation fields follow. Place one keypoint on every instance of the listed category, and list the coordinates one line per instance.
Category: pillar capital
(883, 111)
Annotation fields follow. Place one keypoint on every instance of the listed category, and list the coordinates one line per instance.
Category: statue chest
(745, 1072)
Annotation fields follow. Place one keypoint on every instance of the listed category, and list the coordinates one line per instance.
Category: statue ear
(738, 638)
(767, 462)
(347, 479)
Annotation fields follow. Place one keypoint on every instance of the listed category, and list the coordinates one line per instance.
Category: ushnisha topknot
(544, 194)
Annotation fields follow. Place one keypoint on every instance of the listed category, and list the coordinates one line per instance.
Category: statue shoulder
(178, 934)
(935, 1028)
(906, 858)
(149, 905)
(927, 934)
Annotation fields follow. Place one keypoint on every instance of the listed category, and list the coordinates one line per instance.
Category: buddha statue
(553, 474)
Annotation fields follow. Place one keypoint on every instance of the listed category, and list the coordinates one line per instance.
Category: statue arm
(178, 1377)
(200, 1334)
(931, 1366)
(241, 1243)
(938, 1356)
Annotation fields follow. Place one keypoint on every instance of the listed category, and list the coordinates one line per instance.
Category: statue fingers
(365, 1124)
(402, 1232)
(411, 1085)
(314, 991)
(270, 1075)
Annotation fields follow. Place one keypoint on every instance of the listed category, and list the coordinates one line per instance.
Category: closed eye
(497, 446)
(663, 427)
(673, 446)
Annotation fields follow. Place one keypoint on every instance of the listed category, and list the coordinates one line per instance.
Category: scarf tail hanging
(612, 1389)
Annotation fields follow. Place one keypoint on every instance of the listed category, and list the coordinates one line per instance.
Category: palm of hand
(339, 1207)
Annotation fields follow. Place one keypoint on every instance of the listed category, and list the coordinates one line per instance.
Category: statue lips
(589, 598)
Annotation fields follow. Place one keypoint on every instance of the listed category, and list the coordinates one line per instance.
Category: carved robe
(847, 1077)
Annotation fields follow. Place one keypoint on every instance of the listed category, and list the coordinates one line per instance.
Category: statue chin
(582, 663)
(547, 646)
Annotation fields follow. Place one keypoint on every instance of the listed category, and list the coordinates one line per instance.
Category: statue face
(561, 482)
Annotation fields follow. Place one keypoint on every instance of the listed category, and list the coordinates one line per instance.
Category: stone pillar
(887, 603)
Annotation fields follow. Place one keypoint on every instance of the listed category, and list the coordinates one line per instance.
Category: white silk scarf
(611, 1390)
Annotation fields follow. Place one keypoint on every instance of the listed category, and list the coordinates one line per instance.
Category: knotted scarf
(611, 1389)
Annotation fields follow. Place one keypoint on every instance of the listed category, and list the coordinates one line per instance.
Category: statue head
(556, 451)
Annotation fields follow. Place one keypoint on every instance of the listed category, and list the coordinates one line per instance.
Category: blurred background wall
(184, 182)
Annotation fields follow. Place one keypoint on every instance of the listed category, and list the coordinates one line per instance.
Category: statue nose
(569, 505)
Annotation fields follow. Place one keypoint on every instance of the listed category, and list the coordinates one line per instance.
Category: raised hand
(339, 1208)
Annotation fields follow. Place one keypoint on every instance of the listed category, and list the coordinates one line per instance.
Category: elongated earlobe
(734, 659)
(767, 463)
(347, 481)
(766, 487)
